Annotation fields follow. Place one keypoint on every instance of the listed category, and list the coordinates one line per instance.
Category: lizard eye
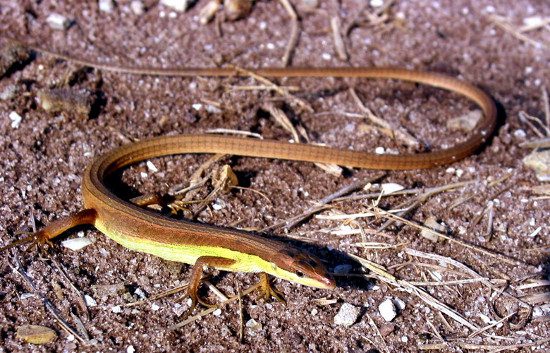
(299, 274)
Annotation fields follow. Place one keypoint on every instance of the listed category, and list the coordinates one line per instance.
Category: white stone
(539, 161)
(130, 349)
(390, 188)
(326, 56)
(152, 168)
(90, 301)
(106, 5)
(347, 315)
(376, 3)
(117, 309)
(76, 244)
(253, 325)
(387, 310)
(137, 7)
(57, 21)
(15, 119)
(178, 5)
(520, 133)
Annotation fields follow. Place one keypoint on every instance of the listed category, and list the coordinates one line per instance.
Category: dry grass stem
(282, 119)
(490, 253)
(241, 314)
(449, 283)
(377, 330)
(79, 296)
(262, 88)
(382, 275)
(321, 204)
(18, 267)
(301, 103)
(160, 295)
(505, 24)
(538, 143)
(378, 17)
(541, 23)
(378, 246)
(531, 121)
(339, 45)
(424, 193)
(546, 106)
(234, 132)
(534, 284)
(383, 126)
(215, 307)
(488, 327)
(215, 290)
(294, 32)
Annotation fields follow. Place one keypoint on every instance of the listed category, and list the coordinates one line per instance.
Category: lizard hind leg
(268, 290)
(55, 228)
(196, 277)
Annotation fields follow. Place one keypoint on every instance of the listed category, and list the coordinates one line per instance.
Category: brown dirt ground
(44, 157)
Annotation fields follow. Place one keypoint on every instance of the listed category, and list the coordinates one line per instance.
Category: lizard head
(303, 268)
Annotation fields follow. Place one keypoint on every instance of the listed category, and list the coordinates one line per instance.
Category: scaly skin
(228, 249)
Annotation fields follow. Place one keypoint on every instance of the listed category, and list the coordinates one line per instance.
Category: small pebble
(130, 349)
(152, 168)
(390, 188)
(466, 122)
(9, 92)
(539, 161)
(253, 325)
(15, 119)
(35, 334)
(520, 134)
(90, 301)
(76, 244)
(117, 309)
(212, 109)
(106, 5)
(387, 310)
(217, 205)
(309, 5)
(237, 9)
(178, 5)
(140, 293)
(137, 7)
(347, 315)
(380, 150)
(534, 21)
(217, 312)
(155, 307)
(399, 304)
(57, 21)
(376, 3)
(432, 223)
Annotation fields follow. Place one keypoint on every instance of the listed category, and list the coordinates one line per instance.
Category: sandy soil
(44, 155)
